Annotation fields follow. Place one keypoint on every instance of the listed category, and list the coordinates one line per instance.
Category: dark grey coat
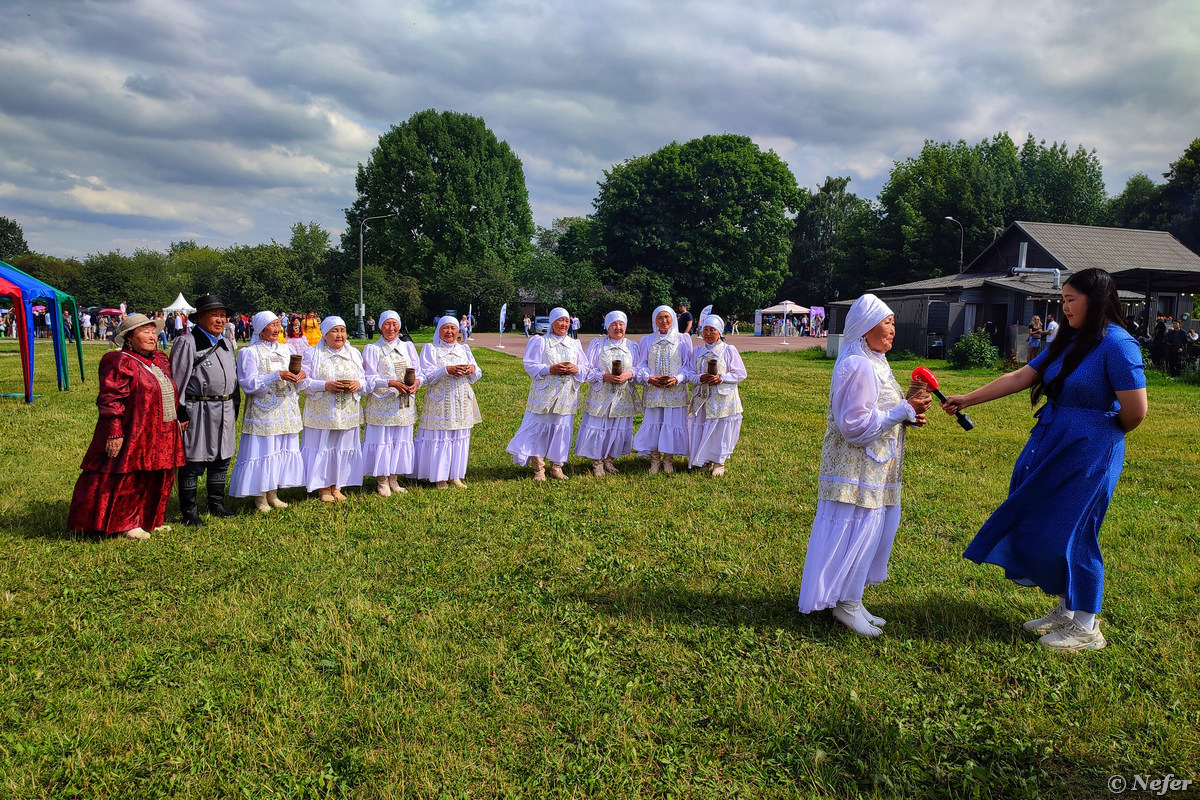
(211, 429)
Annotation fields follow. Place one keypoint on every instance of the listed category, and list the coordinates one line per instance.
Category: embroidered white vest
(869, 476)
(664, 358)
(612, 400)
(331, 411)
(276, 411)
(555, 394)
(450, 402)
(386, 406)
(722, 400)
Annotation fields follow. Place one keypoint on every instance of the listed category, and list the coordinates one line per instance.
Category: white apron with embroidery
(450, 402)
(555, 394)
(276, 411)
(386, 406)
(868, 477)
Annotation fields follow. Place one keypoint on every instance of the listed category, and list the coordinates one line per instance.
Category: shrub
(973, 350)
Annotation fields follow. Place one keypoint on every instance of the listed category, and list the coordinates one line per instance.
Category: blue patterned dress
(1047, 533)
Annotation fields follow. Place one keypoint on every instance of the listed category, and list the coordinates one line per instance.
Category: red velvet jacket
(131, 406)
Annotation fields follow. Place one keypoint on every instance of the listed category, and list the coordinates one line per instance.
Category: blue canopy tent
(33, 289)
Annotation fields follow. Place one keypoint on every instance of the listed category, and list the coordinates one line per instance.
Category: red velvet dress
(114, 495)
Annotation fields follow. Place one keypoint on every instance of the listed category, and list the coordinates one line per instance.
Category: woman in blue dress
(1046, 533)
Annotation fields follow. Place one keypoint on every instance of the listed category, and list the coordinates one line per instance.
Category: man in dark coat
(205, 370)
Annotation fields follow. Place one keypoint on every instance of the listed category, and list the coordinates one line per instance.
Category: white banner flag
(503, 311)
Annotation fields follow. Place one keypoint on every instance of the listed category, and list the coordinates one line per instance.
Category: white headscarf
(614, 316)
(867, 312)
(261, 320)
(389, 314)
(328, 324)
(655, 336)
(437, 335)
(713, 321)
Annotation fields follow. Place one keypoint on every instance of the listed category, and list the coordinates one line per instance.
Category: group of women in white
(344, 389)
(689, 402)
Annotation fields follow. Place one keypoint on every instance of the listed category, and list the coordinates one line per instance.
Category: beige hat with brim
(132, 322)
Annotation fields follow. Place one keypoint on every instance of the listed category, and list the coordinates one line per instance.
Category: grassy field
(632, 636)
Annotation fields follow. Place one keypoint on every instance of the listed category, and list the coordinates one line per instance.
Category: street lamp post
(961, 234)
(362, 223)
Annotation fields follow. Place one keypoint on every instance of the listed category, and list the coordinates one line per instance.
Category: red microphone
(926, 377)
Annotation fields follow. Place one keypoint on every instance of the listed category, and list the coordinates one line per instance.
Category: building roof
(1113, 250)
(1134, 258)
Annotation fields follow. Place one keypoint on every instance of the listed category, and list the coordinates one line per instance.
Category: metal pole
(961, 235)
(362, 223)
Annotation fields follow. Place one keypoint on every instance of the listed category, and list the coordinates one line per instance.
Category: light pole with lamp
(362, 223)
(961, 235)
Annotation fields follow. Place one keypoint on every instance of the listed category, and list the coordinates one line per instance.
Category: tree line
(443, 217)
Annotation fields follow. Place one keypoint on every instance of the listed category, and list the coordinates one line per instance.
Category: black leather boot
(188, 485)
(217, 473)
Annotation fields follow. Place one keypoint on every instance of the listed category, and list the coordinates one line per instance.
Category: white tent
(786, 307)
(180, 305)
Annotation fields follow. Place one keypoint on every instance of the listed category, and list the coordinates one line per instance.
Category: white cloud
(222, 119)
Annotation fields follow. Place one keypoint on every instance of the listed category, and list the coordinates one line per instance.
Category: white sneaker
(1072, 638)
(1056, 619)
(854, 620)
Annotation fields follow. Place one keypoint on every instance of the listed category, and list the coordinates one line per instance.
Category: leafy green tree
(12, 240)
(709, 215)
(1060, 186)
(1138, 205)
(1181, 198)
(457, 195)
(985, 187)
(828, 244)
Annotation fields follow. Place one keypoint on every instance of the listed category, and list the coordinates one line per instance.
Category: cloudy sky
(135, 123)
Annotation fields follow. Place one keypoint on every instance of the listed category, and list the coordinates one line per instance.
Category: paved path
(514, 344)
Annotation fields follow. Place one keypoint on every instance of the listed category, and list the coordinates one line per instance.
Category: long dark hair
(1103, 307)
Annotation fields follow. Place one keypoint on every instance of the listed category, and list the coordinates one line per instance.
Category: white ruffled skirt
(604, 437)
(331, 458)
(848, 550)
(266, 464)
(664, 430)
(441, 455)
(543, 435)
(387, 450)
(712, 440)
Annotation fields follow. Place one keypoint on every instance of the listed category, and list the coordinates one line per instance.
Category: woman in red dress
(130, 466)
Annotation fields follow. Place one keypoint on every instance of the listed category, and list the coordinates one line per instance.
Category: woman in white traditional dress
(858, 495)
(606, 432)
(557, 366)
(335, 385)
(443, 440)
(664, 360)
(390, 407)
(268, 457)
(715, 413)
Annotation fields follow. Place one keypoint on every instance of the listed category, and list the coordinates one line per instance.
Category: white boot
(849, 613)
(598, 467)
(381, 486)
(260, 503)
(610, 467)
(655, 462)
(718, 470)
(539, 468)
(136, 533)
(394, 485)
(668, 463)
(273, 499)
(556, 471)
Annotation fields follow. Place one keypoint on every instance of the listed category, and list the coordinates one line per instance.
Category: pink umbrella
(109, 311)
(39, 308)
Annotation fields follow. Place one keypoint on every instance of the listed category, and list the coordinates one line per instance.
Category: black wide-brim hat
(209, 302)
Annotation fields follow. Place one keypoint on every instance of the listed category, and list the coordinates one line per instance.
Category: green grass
(625, 637)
